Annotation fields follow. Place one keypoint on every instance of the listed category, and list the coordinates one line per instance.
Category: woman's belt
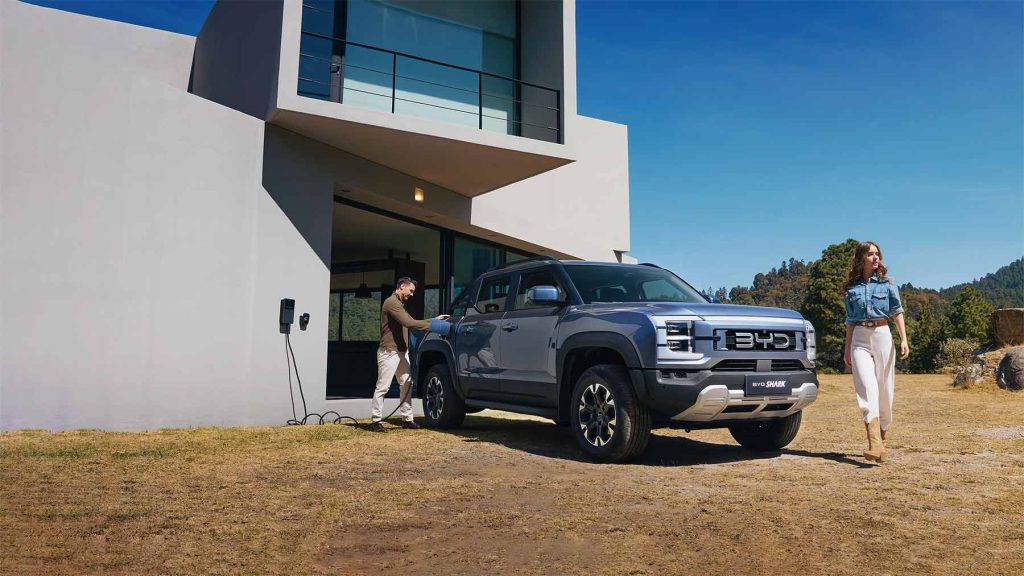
(873, 322)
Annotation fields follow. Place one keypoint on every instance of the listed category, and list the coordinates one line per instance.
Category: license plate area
(767, 385)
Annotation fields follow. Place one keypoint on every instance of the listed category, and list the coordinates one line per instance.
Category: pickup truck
(614, 350)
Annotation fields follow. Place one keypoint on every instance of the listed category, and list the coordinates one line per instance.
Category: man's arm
(397, 311)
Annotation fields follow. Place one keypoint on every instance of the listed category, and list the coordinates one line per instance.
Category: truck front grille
(735, 365)
(787, 365)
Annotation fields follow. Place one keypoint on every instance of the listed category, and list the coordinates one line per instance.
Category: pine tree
(926, 329)
(969, 316)
(823, 301)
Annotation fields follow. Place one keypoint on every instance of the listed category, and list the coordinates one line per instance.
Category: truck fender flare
(617, 342)
(445, 348)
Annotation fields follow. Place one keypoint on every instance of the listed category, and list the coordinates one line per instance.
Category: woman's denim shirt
(872, 299)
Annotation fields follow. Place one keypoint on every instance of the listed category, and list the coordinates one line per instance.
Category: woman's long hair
(857, 266)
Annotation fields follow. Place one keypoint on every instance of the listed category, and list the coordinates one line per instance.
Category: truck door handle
(510, 327)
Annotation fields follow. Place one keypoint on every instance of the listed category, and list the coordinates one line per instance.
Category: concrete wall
(237, 56)
(541, 63)
(142, 261)
(580, 209)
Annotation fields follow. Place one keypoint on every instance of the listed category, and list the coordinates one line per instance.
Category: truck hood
(697, 309)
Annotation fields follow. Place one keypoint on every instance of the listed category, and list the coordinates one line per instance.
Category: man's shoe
(377, 427)
(410, 425)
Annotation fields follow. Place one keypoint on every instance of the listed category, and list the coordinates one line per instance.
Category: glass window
(431, 301)
(533, 279)
(451, 41)
(493, 295)
(472, 259)
(598, 283)
(461, 303)
(334, 317)
(360, 317)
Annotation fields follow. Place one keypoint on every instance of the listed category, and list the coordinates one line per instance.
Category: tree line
(936, 320)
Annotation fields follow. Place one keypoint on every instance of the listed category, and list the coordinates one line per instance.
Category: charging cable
(316, 417)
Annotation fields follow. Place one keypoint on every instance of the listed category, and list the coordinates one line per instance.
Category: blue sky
(761, 131)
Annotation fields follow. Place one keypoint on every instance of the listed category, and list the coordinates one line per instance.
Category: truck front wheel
(442, 406)
(609, 423)
(767, 436)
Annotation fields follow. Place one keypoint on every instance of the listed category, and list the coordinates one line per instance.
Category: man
(393, 353)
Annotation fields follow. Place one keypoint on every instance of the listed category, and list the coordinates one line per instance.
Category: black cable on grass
(289, 355)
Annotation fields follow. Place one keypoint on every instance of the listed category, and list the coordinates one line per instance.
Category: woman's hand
(847, 359)
(442, 317)
(904, 350)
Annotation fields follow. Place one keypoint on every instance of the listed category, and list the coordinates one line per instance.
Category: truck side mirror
(547, 295)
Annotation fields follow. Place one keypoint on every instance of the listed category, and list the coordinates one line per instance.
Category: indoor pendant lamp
(363, 291)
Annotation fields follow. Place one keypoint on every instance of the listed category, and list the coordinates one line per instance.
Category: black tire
(767, 436)
(442, 406)
(607, 420)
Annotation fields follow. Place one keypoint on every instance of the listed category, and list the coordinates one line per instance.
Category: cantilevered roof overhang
(465, 160)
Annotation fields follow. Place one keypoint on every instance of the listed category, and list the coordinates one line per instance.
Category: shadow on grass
(551, 441)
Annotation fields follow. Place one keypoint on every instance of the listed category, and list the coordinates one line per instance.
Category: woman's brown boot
(875, 451)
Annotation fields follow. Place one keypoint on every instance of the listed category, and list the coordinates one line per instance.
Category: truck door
(476, 341)
(527, 339)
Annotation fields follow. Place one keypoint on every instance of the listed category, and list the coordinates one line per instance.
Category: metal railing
(527, 116)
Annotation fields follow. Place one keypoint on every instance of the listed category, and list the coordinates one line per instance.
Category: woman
(871, 301)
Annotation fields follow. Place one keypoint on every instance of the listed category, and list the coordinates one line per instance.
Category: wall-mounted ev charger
(287, 316)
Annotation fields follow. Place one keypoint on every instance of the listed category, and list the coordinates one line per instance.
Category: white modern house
(160, 194)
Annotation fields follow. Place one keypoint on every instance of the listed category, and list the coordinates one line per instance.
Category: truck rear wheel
(609, 423)
(442, 406)
(767, 436)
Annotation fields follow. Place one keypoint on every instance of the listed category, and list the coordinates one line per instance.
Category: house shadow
(549, 440)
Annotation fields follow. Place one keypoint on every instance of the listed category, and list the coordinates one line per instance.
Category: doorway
(369, 253)
(370, 250)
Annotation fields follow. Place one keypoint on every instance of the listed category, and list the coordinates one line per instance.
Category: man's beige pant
(874, 366)
(390, 364)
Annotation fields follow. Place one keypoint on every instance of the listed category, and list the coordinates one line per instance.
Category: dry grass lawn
(514, 496)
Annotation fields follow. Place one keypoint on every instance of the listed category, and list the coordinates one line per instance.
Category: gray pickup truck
(614, 350)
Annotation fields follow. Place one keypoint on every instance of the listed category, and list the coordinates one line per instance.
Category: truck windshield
(597, 283)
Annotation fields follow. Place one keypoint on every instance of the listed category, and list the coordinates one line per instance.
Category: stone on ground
(1010, 371)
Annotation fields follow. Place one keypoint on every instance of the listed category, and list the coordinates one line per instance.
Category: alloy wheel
(597, 414)
(434, 397)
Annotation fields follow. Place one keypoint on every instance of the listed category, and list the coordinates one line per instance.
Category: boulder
(968, 376)
(1010, 371)
(1008, 326)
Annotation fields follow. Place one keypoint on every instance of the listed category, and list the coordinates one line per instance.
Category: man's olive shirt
(394, 321)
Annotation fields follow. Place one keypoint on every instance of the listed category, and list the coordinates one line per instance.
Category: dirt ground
(514, 496)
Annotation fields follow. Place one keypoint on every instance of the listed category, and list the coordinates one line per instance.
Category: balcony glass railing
(386, 80)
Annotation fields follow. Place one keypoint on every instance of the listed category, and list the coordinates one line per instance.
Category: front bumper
(709, 396)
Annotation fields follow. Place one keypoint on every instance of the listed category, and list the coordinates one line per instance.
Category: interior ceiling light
(417, 194)
(363, 291)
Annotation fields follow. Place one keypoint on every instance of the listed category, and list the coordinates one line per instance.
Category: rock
(967, 376)
(1008, 326)
(1010, 372)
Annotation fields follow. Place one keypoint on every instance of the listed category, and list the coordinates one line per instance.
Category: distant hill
(781, 287)
(1004, 288)
(785, 287)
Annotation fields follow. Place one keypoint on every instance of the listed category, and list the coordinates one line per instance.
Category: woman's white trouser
(390, 364)
(874, 366)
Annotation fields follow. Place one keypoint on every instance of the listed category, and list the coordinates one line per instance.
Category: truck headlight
(679, 334)
(809, 343)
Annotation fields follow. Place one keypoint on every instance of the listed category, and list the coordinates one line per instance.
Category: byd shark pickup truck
(614, 350)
